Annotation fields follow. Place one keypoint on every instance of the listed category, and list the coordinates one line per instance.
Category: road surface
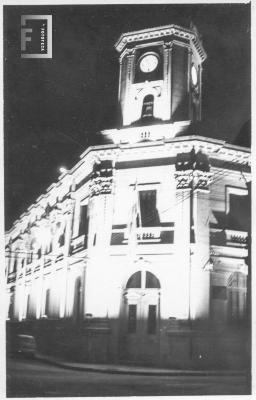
(32, 378)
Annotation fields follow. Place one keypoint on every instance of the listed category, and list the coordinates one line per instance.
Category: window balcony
(145, 235)
(78, 243)
(229, 237)
(47, 262)
(11, 277)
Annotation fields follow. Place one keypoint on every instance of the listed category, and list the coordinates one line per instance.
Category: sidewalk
(133, 370)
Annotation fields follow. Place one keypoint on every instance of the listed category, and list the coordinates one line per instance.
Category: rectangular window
(148, 211)
(84, 222)
(219, 293)
(151, 319)
(238, 209)
(239, 212)
(237, 297)
(132, 318)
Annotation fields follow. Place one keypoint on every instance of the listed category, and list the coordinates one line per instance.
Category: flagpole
(132, 239)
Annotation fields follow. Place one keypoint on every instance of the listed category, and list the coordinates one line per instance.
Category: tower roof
(161, 32)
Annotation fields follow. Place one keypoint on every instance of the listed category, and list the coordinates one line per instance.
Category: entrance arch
(141, 299)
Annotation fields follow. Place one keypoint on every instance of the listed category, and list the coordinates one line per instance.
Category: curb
(123, 370)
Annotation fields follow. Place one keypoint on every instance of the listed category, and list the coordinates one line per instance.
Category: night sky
(55, 108)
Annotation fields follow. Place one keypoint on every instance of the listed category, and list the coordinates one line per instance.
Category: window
(39, 253)
(15, 263)
(151, 319)
(77, 299)
(28, 311)
(29, 257)
(11, 304)
(84, 222)
(238, 209)
(219, 293)
(151, 281)
(148, 106)
(62, 238)
(143, 279)
(132, 318)
(134, 281)
(148, 211)
(47, 302)
(48, 248)
(237, 296)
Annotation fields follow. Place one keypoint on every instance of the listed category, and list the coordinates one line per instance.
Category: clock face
(194, 75)
(148, 63)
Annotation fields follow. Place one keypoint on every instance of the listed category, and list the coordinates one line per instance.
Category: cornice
(160, 32)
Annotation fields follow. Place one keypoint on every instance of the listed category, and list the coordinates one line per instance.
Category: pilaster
(182, 242)
(100, 225)
(167, 79)
(200, 273)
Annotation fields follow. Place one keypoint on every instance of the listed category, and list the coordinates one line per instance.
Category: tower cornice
(161, 32)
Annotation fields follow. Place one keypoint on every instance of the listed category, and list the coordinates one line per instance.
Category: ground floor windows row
(32, 302)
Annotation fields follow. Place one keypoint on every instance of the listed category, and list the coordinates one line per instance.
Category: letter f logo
(24, 31)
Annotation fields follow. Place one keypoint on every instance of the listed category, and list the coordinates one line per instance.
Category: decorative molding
(201, 179)
(184, 179)
(100, 185)
(160, 32)
(193, 179)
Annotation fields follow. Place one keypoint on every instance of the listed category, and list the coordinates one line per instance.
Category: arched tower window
(148, 106)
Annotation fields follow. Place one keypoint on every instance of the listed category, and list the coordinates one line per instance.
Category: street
(31, 378)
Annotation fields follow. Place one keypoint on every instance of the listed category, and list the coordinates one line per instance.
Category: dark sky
(54, 108)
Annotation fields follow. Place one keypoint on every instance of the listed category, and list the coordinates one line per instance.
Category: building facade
(139, 253)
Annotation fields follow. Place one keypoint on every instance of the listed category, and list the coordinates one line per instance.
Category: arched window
(143, 280)
(134, 281)
(151, 281)
(148, 106)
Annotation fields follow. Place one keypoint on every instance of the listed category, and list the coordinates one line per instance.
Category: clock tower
(160, 76)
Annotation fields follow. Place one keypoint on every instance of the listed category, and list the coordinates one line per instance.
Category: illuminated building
(140, 251)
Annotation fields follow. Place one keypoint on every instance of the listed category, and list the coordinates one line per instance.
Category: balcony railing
(228, 237)
(11, 277)
(78, 243)
(47, 262)
(145, 235)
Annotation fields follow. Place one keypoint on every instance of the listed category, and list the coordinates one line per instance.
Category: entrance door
(142, 297)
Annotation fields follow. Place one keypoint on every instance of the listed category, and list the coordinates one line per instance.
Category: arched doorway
(141, 317)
